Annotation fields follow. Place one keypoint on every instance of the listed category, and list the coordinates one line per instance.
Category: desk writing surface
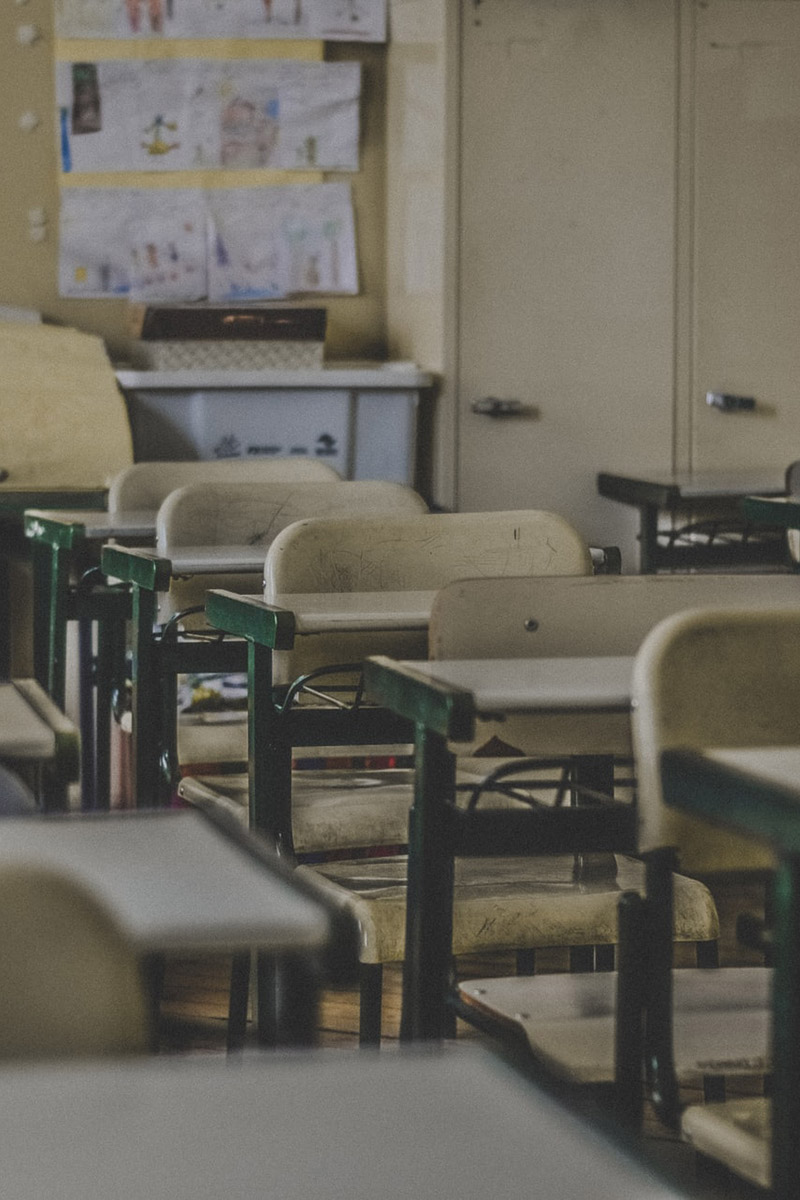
(644, 487)
(94, 524)
(325, 612)
(215, 560)
(537, 684)
(452, 1124)
(173, 880)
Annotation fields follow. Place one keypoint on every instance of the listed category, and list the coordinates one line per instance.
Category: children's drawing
(157, 130)
(223, 244)
(249, 130)
(337, 20)
(188, 114)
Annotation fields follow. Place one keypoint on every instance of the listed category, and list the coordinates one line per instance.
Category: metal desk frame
(733, 796)
(661, 492)
(438, 830)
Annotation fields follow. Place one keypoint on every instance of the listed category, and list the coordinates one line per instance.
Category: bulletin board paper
(333, 20)
(221, 244)
(195, 114)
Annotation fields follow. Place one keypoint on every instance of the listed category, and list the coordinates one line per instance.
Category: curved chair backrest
(412, 554)
(146, 485)
(63, 420)
(254, 514)
(598, 615)
(724, 678)
(70, 983)
(421, 553)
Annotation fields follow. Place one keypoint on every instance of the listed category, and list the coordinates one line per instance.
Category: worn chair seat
(334, 810)
(721, 1023)
(738, 1133)
(508, 903)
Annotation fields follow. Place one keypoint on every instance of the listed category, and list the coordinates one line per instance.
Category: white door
(745, 194)
(566, 255)
(630, 240)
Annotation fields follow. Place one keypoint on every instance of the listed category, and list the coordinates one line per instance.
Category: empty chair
(719, 679)
(70, 983)
(214, 534)
(569, 1022)
(410, 555)
(146, 485)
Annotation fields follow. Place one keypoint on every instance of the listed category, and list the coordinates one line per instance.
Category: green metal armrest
(144, 568)
(249, 617)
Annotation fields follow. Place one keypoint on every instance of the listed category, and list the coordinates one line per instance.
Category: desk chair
(63, 430)
(146, 485)
(567, 1023)
(415, 554)
(70, 984)
(68, 585)
(225, 528)
(721, 679)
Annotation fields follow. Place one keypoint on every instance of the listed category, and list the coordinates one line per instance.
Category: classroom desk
(35, 733)
(183, 882)
(451, 1124)
(571, 706)
(159, 657)
(758, 790)
(65, 543)
(655, 493)
(14, 545)
(275, 729)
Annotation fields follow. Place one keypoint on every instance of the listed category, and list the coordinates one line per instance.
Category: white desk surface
(338, 1125)
(23, 733)
(714, 483)
(101, 524)
(770, 764)
(537, 685)
(215, 560)
(172, 880)
(326, 612)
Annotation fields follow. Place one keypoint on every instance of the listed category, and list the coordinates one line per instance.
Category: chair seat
(508, 903)
(721, 1020)
(736, 1133)
(337, 810)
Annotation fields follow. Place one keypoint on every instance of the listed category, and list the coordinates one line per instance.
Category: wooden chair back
(146, 485)
(414, 553)
(722, 677)
(579, 616)
(254, 514)
(582, 616)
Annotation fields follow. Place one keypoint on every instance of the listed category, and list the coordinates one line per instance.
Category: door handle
(726, 402)
(491, 406)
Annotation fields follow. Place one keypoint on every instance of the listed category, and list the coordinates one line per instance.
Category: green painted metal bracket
(142, 567)
(62, 535)
(442, 708)
(783, 511)
(252, 618)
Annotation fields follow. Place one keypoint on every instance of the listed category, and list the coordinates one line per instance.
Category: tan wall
(29, 176)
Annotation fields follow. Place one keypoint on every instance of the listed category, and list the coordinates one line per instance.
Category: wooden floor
(194, 1013)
